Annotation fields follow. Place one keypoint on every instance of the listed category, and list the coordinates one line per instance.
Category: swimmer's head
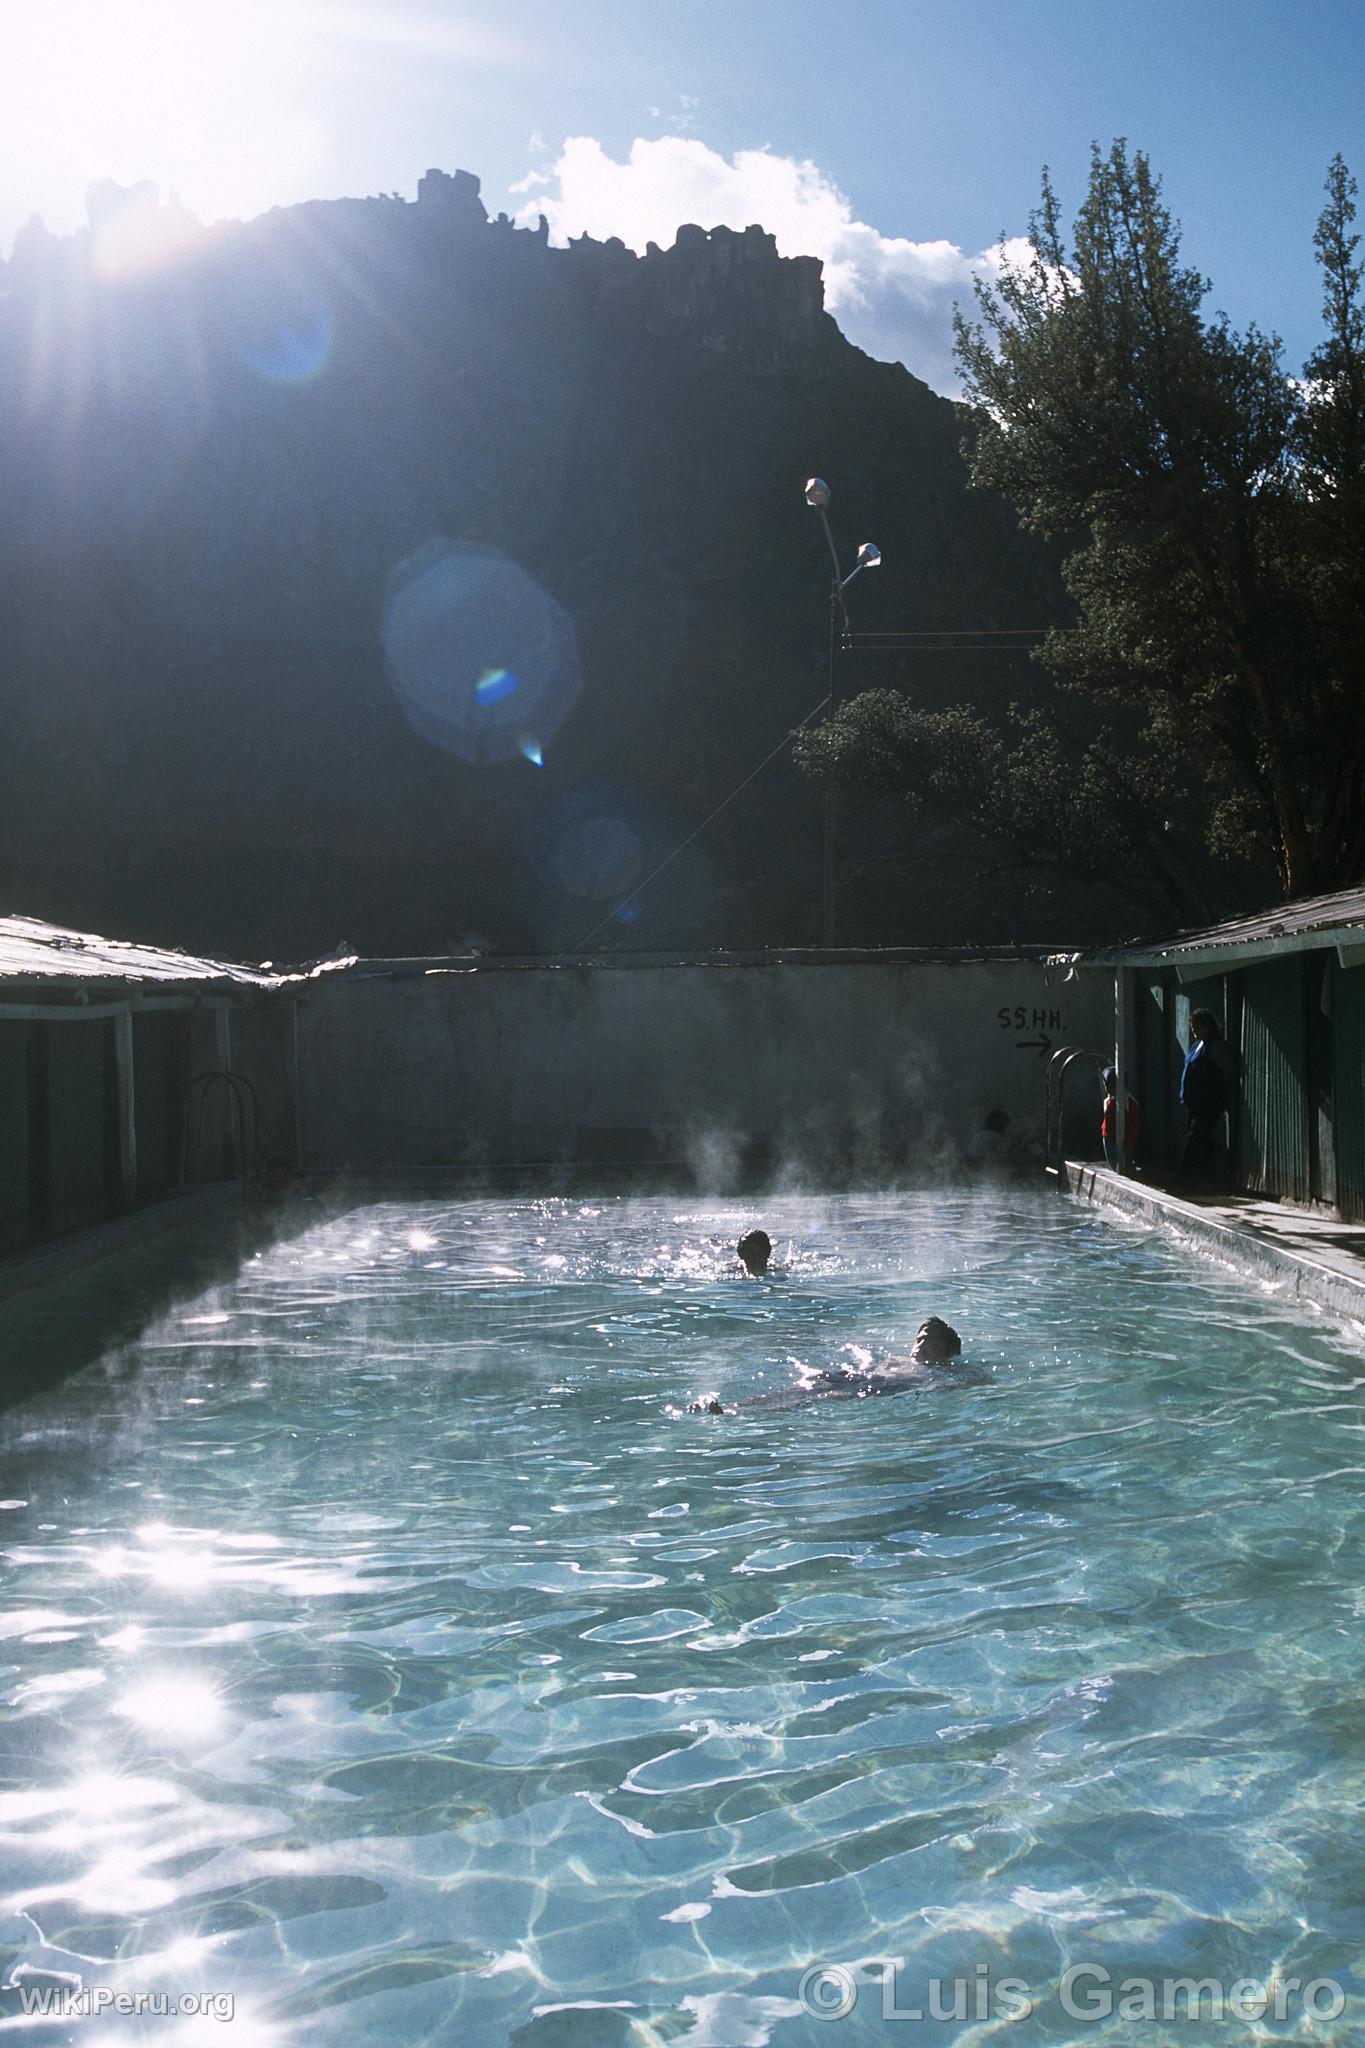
(709, 1404)
(755, 1249)
(935, 1342)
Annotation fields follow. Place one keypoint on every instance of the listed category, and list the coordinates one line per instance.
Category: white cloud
(891, 296)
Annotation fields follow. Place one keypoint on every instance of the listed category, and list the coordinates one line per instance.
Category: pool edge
(40, 1265)
(1230, 1242)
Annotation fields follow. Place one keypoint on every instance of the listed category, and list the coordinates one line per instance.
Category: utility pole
(868, 557)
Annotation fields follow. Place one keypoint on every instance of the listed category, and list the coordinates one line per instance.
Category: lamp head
(817, 493)
(869, 555)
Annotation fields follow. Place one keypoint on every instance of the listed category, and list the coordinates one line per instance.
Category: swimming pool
(381, 1654)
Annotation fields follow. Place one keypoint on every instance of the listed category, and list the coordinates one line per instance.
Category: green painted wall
(14, 1221)
(1157, 1075)
(1275, 1105)
(161, 1059)
(80, 1123)
(1348, 1035)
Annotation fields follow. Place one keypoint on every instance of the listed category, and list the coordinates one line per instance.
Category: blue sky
(895, 138)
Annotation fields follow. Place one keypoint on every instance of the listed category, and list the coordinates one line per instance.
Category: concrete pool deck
(1308, 1254)
(56, 1258)
(75, 1299)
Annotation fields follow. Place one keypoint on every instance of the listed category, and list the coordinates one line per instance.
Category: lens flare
(483, 661)
(599, 856)
(290, 351)
(495, 685)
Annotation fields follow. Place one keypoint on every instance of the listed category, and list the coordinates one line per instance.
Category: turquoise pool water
(379, 1652)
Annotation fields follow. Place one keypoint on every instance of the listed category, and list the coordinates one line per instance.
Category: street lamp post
(868, 557)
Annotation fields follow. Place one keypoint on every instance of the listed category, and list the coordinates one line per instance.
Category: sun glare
(202, 96)
(229, 106)
(167, 1703)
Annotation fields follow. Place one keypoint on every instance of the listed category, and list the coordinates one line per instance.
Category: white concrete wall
(813, 1067)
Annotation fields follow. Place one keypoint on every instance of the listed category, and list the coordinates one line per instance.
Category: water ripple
(379, 1649)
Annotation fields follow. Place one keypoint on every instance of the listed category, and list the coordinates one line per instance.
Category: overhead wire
(683, 845)
(871, 643)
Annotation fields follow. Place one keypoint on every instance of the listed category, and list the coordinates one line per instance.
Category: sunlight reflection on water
(425, 1678)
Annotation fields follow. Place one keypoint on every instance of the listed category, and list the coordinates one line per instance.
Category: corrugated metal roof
(362, 967)
(32, 951)
(1313, 921)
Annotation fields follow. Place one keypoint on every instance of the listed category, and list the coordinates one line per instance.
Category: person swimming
(754, 1250)
(936, 1344)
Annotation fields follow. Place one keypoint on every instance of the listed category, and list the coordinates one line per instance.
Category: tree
(1212, 509)
(1056, 804)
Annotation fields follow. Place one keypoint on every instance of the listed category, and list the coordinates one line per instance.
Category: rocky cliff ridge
(220, 447)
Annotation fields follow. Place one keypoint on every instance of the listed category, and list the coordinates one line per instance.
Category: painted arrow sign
(1042, 1046)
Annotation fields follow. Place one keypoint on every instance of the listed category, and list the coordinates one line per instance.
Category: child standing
(1109, 1122)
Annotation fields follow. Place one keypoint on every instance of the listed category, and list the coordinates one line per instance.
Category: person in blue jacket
(1206, 1093)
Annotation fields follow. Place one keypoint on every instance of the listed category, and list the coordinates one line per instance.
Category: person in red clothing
(1109, 1123)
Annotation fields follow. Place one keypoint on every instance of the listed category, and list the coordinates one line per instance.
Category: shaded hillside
(214, 468)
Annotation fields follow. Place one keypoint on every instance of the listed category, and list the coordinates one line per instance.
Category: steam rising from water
(382, 1653)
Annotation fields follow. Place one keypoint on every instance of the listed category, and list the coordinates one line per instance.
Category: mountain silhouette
(255, 477)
